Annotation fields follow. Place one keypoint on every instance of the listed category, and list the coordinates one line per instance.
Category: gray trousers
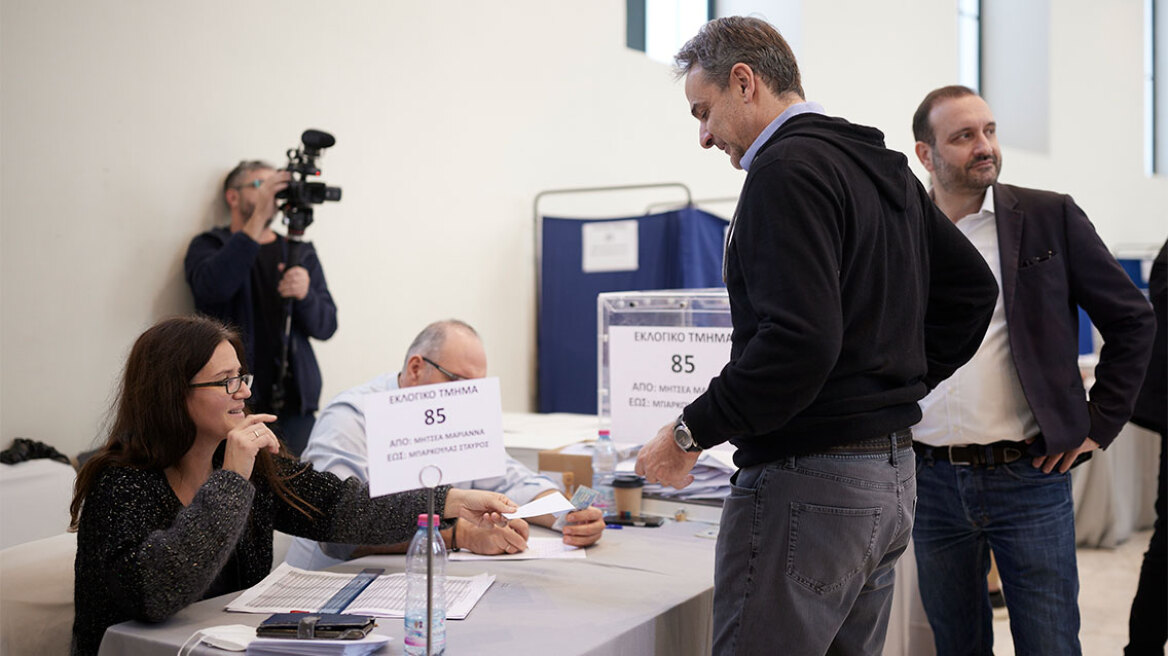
(806, 551)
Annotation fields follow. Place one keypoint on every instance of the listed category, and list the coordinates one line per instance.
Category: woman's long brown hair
(151, 428)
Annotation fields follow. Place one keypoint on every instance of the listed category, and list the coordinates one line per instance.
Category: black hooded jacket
(851, 296)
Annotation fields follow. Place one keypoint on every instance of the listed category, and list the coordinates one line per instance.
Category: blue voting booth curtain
(1134, 269)
(681, 249)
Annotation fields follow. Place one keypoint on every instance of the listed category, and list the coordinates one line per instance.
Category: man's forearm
(398, 548)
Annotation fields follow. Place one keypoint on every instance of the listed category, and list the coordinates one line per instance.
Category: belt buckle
(954, 461)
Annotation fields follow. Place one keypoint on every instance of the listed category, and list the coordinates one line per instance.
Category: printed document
(290, 589)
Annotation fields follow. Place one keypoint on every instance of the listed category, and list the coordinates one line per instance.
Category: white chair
(36, 596)
(34, 500)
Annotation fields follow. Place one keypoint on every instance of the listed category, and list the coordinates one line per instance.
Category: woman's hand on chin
(246, 440)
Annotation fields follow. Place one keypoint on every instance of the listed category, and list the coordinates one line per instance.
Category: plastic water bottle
(604, 459)
(415, 638)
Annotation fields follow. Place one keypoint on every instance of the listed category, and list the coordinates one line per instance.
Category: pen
(616, 526)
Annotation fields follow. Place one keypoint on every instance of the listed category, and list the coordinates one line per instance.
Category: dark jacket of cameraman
(218, 269)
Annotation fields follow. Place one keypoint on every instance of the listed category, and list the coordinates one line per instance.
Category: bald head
(444, 349)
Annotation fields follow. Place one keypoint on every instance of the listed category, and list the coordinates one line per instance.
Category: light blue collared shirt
(793, 110)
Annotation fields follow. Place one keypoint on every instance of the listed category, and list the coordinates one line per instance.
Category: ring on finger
(257, 432)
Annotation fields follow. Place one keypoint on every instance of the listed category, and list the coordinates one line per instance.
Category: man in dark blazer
(998, 438)
(1147, 631)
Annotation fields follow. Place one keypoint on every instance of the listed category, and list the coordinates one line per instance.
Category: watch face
(682, 436)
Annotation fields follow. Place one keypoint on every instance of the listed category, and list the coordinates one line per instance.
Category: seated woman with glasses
(180, 503)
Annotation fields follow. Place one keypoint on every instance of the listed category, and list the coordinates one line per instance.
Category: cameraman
(245, 274)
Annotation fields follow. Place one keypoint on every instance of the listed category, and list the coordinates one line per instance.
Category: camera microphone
(317, 139)
(300, 194)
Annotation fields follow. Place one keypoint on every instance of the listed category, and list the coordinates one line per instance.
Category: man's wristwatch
(683, 438)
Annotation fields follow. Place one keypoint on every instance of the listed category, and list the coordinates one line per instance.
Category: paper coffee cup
(627, 490)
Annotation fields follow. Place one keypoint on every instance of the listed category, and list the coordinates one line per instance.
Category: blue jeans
(1027, 518)
(805, 554)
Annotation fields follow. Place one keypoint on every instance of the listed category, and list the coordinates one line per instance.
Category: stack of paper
(624, 450)
(279, 646)
(711, 473)
(547, 431)
(711, 476)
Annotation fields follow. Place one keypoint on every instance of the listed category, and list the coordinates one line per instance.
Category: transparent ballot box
(656, 352)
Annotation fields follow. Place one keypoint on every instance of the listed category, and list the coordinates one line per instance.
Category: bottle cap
(424, 520)
(603, 433)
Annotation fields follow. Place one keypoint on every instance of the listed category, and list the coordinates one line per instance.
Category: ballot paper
(281, 646)
(290, 589)
(537, 548)
(547, 504)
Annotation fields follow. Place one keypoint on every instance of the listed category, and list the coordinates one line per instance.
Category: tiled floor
(1107, 583)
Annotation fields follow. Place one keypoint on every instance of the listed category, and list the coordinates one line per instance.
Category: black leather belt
(873, 445)
(974, 455)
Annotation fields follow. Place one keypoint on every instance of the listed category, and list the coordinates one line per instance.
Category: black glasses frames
(442, 370)
(232, 384)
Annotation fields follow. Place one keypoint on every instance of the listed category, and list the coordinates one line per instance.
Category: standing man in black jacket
(253, 278)
(998, 438)
(851, 296)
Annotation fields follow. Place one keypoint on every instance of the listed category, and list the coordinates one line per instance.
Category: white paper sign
(655, 372)
(609, 246)
(456, 427)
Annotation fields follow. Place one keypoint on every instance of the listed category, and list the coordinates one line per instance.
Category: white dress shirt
(982, 402)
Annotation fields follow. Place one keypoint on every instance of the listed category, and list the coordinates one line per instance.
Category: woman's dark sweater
(142, 555)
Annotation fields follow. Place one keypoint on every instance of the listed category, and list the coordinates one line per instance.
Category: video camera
(301, 194)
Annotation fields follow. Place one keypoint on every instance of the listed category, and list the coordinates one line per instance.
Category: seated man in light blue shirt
(442, 352)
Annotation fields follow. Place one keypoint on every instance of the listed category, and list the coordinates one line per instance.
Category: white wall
(119, 118)
(1016, 70)
(874, 62)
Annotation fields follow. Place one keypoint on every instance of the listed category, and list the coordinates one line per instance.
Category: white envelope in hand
(549, 504)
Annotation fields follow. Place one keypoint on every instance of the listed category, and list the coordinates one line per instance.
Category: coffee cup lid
(628, 480)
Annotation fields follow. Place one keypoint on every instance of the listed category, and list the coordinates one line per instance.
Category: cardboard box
(578, 466)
